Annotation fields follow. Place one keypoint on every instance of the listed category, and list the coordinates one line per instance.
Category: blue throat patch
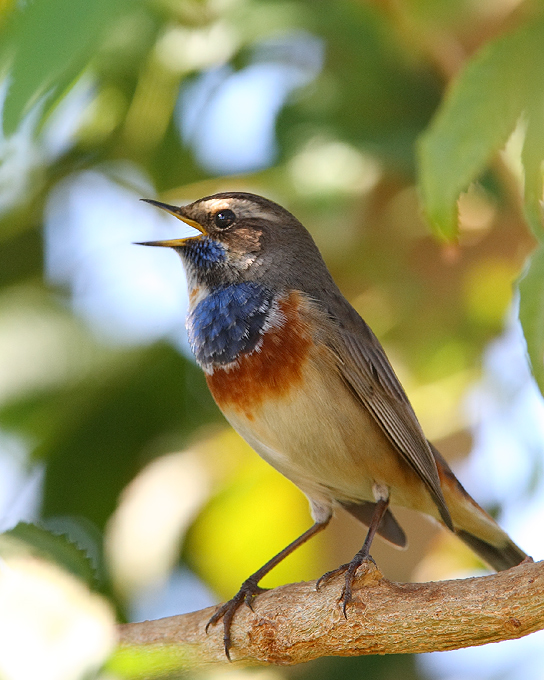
(204, 253)
(228, 322)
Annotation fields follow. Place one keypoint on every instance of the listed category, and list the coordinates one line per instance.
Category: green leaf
(48, 40)
(531, 313)
(503, 81)
(54, 547)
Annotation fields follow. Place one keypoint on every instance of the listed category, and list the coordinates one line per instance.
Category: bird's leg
(250, 587)
(350, 568)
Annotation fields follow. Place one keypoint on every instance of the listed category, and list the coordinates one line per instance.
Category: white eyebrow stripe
(241, 207)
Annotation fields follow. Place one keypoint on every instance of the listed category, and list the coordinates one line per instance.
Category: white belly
(320, 438)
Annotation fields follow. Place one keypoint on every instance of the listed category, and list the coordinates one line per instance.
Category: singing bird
(303, 379)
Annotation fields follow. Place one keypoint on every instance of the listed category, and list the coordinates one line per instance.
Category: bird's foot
(248, 591)
(350, 570)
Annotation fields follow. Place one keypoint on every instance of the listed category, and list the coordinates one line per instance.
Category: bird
(303, 379)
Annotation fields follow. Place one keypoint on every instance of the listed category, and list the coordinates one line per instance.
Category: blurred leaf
(49, 41)
(360, 667)
(371, 92)
(97, 434)
(145, 662)
(55, 547)
(21, 257)
(531, 313)
(481, 110)
(173, 164)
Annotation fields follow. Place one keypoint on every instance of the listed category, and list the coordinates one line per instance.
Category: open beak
(176, 212)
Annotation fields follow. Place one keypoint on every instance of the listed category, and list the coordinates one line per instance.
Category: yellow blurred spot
(162, 661)
(448, 358)
(254, 517)
(148, 661)
(488, 290)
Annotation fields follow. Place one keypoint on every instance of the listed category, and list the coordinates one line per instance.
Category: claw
(323, 580)
(250, 588)
(247, 593)
(350, 571)
(251, 596)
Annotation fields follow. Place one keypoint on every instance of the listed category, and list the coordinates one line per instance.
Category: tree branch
(294, 623)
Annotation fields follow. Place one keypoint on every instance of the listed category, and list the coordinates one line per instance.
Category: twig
(294, 623)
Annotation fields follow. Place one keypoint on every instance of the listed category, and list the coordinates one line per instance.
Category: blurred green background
(107, 431)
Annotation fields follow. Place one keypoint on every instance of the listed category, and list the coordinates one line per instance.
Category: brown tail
(499, 557)
(473, 525)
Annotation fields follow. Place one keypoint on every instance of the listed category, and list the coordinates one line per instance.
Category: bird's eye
(224, 218)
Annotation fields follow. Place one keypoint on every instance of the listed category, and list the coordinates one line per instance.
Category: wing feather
(366, 369)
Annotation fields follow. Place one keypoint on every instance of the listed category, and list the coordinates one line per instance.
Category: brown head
(245, 237)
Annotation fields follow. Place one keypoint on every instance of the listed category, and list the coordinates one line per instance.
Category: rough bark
(294, 623)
